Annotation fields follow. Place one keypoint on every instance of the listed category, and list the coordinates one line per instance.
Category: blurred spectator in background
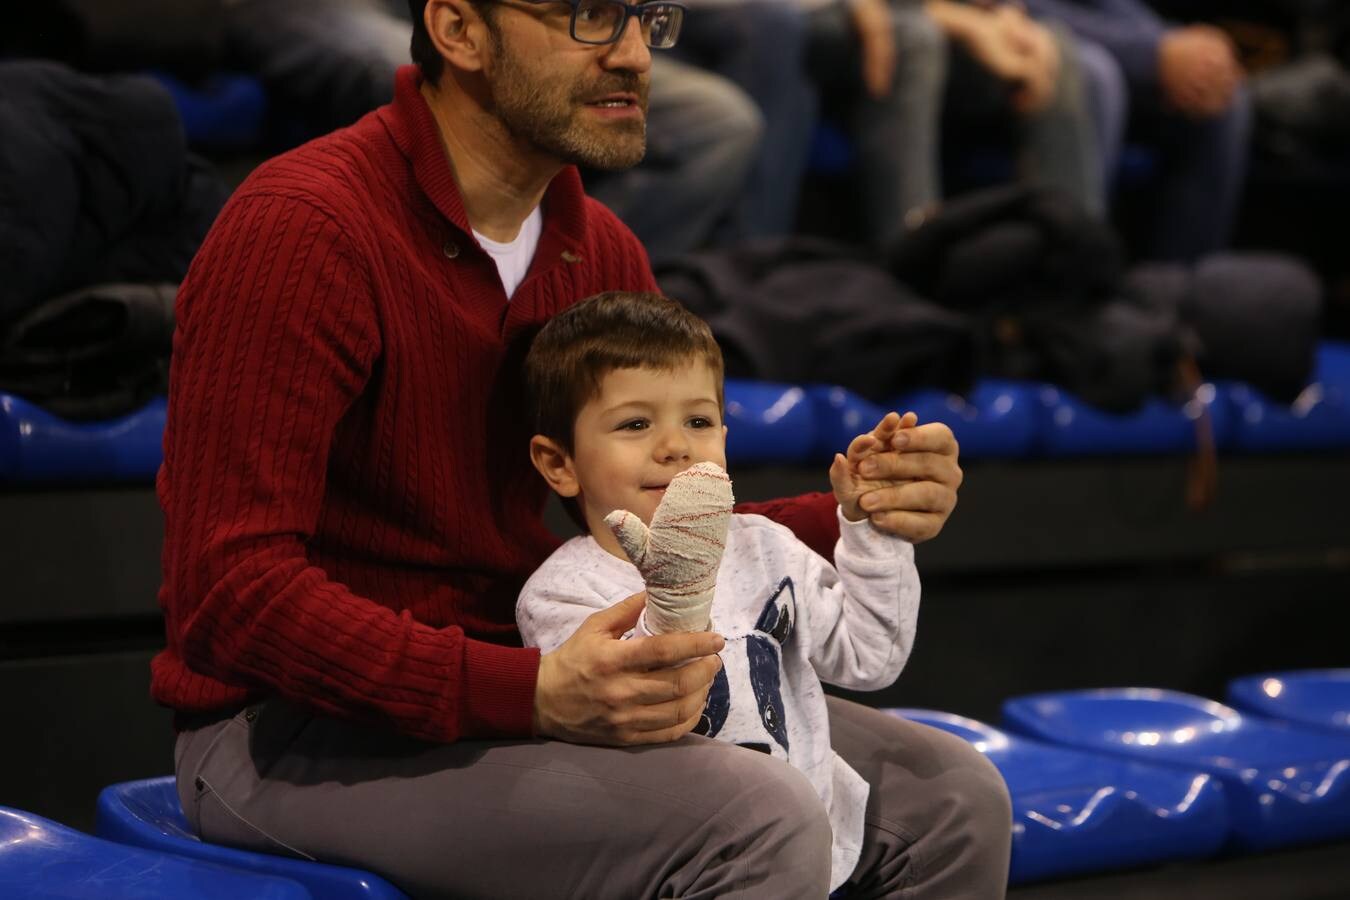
(883, 72)
(1180, 90)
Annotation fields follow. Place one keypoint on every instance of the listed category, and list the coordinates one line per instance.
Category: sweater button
(450, 249)
(250, 715)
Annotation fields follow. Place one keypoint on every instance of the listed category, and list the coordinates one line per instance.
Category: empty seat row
(770, 423)
(1108, 779)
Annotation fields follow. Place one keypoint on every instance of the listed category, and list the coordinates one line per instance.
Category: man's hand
(845, 477)
(598, 689)
(1009, 45)
(876, 35)
(1035, 89)
(911, 483)
(1198, 70)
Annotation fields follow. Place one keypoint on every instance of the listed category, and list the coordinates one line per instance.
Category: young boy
(627, 392)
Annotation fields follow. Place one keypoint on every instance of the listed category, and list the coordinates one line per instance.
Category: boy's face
(644, 427)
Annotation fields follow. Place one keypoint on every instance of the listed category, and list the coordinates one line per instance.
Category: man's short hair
(424, 52)
(615, 330)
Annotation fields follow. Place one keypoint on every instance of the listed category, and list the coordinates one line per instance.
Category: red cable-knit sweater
(349, 505)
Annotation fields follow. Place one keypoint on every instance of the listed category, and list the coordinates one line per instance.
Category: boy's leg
(939, 820)
(536, 819)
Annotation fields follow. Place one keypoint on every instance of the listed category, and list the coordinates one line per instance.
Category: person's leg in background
(1204, 171)
(703, 135)
(898, 137)
(328, 62)
(939, 820)
(1108, 102)
(761, 45)
(1059, 144)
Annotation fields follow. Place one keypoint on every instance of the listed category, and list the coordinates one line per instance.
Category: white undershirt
(513, 258)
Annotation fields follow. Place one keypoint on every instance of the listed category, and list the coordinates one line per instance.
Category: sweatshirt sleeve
(277, 336)
(562, 594)
(860, 617)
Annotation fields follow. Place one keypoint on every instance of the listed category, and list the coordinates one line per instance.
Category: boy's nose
(672, 446)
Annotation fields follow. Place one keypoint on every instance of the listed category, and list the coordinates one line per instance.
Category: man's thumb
(622, 616)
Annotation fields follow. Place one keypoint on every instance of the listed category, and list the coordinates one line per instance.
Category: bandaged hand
(678, 556)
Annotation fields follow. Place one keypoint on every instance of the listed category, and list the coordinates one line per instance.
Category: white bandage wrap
(678, 556)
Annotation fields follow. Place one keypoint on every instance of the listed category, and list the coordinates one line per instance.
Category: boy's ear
(458, 33)
(555, 464)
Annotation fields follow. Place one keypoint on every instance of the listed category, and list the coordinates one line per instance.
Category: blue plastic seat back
(147, 814)
(768, 423)
(1318, 420)
(1284, 785)
(1313, 698)
(996, 421)
(36, 447)
(44, 860)
(1076, 812)
(1072, 428)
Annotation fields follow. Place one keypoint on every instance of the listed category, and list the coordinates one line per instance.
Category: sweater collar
(414, 131)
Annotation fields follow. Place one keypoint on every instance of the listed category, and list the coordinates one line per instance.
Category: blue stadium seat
(1073, 428)
(768, 423)
(1077, 812)
(227, 111)
(1284, 785)
(996, 421)
(1313, 698)
(37, 447)
(147, 814)
(43, 860)
(1318, 420)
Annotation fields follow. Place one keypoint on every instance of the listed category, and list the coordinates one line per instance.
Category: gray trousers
(537, 819)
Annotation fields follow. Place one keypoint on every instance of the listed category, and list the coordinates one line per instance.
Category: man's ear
(555, 464)
(458, 33)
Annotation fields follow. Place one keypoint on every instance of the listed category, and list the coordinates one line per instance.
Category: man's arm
(277, 337)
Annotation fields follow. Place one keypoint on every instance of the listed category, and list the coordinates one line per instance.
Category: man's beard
(548, 114)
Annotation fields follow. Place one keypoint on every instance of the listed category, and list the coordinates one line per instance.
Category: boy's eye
(632, 425)
(700, 422)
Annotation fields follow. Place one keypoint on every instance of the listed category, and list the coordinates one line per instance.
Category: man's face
(580, 103)
(643, 428)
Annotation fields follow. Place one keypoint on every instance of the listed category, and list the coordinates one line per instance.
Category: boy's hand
(678, 556)
(845, 475)
(599, 689)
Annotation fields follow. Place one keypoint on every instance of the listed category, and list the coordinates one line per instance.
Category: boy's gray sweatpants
(539, 819)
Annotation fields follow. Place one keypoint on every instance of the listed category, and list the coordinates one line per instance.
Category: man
(350, 512)
(326, 63)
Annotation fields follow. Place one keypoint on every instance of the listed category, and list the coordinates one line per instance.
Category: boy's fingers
(909, 420)
(861, 445)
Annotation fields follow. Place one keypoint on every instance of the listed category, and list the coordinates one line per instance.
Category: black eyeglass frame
(629, 11)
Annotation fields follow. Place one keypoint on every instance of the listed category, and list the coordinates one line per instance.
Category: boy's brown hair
(613, 330)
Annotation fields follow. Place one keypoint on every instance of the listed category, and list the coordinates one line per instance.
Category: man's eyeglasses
(603, 21)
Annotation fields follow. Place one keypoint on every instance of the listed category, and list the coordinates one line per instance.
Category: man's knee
(980, 801)
(776, 806)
